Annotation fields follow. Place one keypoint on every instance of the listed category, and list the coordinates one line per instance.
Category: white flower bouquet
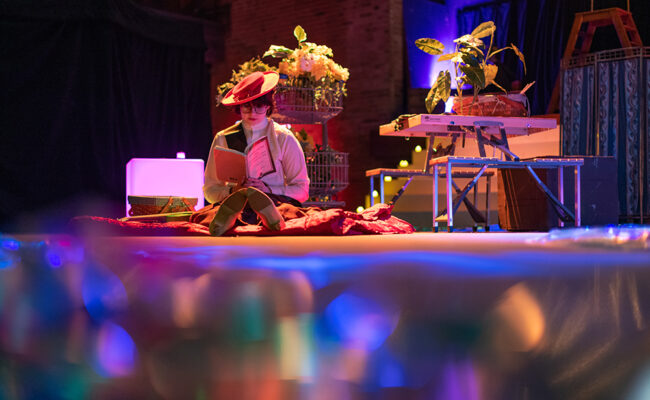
(311, 66)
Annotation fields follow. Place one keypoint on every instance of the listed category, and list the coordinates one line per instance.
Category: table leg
(487, 202)
(476, 203)
(372, 190)
(560, 190)
(559, 208)
(450, 197)
(381, 188)
(461, 197)
(577, 198)
(430, 151)
(435, 197)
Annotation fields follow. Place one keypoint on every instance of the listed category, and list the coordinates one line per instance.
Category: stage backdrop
(605, 106)
(86, 86)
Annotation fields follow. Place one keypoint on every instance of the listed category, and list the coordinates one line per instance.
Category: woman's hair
(266, 100)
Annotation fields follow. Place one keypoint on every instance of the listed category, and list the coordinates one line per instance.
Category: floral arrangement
(311, 66)
(310, 61)
(308, 66)
(472, 63)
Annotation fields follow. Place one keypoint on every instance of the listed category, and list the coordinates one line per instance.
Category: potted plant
(472, 64)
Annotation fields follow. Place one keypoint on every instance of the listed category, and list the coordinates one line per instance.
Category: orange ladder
(625, 28)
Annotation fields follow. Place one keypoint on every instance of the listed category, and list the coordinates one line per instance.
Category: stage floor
(569, 239)
(561, 315)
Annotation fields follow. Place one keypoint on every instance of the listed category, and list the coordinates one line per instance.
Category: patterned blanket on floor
(335, 221)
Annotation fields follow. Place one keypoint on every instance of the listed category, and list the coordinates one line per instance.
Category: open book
(234, 166)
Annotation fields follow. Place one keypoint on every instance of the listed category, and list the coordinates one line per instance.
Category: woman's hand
(256, 183)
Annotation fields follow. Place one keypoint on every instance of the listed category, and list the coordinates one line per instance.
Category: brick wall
(366, 37)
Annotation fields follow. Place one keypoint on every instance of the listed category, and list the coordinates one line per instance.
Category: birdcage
(327, 169)
(328, 174)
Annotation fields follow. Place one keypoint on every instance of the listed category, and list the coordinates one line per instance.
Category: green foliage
(306, 140)
(300, 34)
(483, 30)
(277, 51)
(439, 91)
(311, 66)
(472, 63)
(431, 46)
(308, 66)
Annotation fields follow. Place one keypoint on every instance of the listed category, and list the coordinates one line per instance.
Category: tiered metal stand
(327, 169)
(494, 132)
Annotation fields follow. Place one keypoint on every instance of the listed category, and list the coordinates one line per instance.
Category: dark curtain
(545, 34)
(86, 86)
(497, 12)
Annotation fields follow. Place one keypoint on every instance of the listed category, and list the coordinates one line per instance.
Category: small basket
(148, 205)
(306, 104)
(497, 105)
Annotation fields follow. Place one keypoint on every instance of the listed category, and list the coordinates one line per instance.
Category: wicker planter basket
(305, 104)
(146, 205)
(497, 105)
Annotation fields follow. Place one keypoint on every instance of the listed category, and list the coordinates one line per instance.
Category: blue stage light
(53, 258)
(9, 244)
(361, 322)
(115, 351)
(103, 293)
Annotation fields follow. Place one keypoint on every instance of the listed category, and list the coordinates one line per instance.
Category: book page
(230, 165)
(259, 160)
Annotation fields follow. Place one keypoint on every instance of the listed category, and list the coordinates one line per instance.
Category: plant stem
(488, 52)
(459, 85)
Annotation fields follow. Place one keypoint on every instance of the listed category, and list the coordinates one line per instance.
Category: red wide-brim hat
(251, 87)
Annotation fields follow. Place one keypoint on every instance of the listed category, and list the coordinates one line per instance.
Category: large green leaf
(474, 75)
(490, 73)
(469, 40)
(277, 51)
(428, 102)
(450, 56)
(470, 60)
(441, 90)
(483, 30)
(520, 55)
(430, 46)
(473, 50)
(300, 34)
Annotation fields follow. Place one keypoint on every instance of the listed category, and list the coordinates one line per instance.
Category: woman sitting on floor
(255, 200)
